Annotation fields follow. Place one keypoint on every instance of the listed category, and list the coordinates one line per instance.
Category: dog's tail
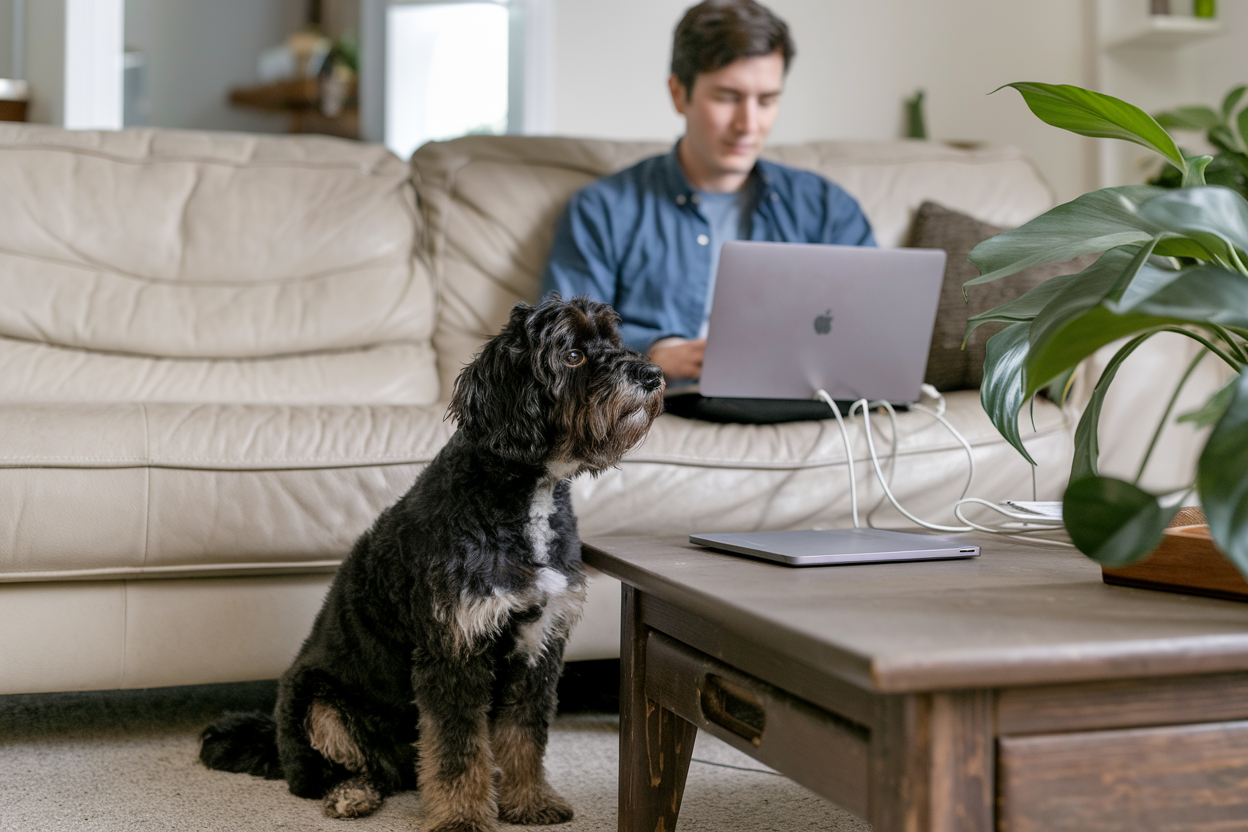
(242, 742)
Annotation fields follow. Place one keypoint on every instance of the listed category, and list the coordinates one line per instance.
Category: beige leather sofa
(221, 355)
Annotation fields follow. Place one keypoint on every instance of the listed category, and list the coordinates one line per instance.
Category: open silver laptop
(788, 319)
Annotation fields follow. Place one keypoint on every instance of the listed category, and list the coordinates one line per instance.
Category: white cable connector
(1023, 522)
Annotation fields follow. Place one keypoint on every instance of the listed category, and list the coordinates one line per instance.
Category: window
(446, 71)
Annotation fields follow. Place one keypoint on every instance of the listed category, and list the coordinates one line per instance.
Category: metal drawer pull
(732, 707)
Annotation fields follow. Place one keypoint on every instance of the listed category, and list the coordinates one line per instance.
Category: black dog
(435, 656)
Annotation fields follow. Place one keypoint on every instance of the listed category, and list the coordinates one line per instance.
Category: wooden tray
(1185, 561)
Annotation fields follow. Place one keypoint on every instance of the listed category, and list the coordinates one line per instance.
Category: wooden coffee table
(1014, 692)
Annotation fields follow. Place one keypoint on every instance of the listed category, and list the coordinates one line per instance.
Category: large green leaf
(1139, 257)
(1112, 521)
(1143, 279)
(1215, 217)
(1001, 391)
(1202, 294)
(1181, 247)
(1212, 411)
(1222, 477)
(1149, 279)
(1232, 98)
(1087, 443)
(1094, 222)
(1055, 333)
(1190, 222)
(1075, 324)
(1098, 115)
(1023, 308)
(1189, 118)
(1069, 340)
(1223, 138)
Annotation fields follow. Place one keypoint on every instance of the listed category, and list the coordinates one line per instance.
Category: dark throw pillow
(949, 367)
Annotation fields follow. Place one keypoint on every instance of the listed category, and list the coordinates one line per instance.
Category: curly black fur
(443, 630)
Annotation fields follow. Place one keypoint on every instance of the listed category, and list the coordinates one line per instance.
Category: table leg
(655, 744)
(933, 764)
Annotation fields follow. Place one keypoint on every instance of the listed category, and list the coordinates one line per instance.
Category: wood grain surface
(826, 754)
(656, 745)
(749, 656)
(1180, 779)
(1123, 704)
(1185, 561)
(1021, 614)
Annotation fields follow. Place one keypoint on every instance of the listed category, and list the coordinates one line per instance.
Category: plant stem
(1239, 264)
(1185, 493)
(1235, 346)
(1237, 366)
(1165, 417)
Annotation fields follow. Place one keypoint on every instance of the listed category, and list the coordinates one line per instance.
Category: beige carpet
(127, 761)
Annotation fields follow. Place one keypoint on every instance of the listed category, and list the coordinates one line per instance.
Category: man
(647, 239)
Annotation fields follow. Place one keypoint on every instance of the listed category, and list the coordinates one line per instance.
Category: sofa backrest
(157, 265)
(490, 204)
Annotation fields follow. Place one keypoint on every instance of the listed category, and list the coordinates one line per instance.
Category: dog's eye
(574, 358)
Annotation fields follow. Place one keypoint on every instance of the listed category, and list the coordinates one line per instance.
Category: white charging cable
(1020, 524)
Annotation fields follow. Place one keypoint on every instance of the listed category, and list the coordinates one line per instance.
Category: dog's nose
(649, 376)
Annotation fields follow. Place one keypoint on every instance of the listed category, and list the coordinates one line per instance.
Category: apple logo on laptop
(823, 323)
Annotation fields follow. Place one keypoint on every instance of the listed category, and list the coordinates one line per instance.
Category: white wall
(6, 38)
(856, 64)
(1200, 72)
(45, 60)
(196, 51)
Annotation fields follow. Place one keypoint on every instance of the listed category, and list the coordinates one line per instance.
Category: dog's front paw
(544, 809)
(465, 825)
(353, 798)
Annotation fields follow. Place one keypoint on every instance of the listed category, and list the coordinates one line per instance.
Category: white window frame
(528, 70)
(93, 64)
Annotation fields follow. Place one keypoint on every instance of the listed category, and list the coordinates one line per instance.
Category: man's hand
(680, 362)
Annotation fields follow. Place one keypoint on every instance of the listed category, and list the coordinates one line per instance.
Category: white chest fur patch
(560, 604)
(538, 530)
(476, 618)
(561, 609)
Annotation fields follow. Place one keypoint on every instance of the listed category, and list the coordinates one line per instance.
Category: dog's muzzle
(648, 375)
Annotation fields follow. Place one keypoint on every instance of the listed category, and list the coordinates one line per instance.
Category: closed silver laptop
(788, 319)
(815, 547)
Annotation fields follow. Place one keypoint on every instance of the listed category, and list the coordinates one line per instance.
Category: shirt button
(703, 240)
(680, 199)
(775, 196)
(695, 199)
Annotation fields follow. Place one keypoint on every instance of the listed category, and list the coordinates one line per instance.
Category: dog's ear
(497, 401)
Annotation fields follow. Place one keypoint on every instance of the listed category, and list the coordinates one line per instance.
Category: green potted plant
(1172, 261)
(1225, 129)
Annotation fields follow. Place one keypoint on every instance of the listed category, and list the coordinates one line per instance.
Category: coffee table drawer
(823, 752)
(1187, 777)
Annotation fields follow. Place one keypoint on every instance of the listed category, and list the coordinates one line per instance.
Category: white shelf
(1167, 31)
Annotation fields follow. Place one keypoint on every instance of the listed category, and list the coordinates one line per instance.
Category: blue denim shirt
(638, 241)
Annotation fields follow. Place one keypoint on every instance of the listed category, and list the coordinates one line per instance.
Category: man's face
(729, 113)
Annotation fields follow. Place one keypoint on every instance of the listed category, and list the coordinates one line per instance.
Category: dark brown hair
(715, 33)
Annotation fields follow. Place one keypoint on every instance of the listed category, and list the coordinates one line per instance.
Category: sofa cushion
(172, 490)
(156, 265)
(152, 489)
(490, 204)
(949, 365)
(691, 476)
